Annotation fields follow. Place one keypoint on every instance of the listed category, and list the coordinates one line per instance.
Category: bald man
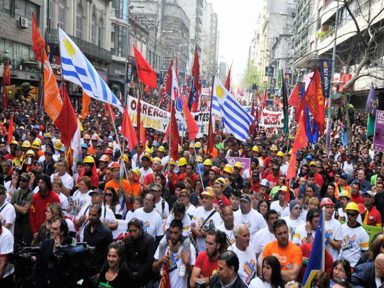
(369, 274)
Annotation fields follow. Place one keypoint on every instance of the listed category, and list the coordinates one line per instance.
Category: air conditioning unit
(23, 22)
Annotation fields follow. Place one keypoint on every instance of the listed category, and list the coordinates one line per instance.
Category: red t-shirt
(207, 267)
(358, 199)
(38, 208)
(224, 200)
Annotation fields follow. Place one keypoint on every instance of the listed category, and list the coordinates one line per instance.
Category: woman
(341, 271)
(112, 201)
(81, 196)
(263, 207)
(114, 272)
(137, 203)
(375, 248)
(271, 274)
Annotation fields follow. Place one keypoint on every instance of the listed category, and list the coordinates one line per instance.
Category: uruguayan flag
(235, 119)
(77, 69)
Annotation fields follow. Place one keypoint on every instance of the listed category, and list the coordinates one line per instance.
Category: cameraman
(48, 271)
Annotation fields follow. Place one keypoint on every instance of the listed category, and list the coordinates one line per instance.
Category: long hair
(273, 262)
(114, 200)
(347, 268)
(119, 247)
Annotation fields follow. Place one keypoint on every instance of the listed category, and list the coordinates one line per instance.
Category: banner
(202, 119)
(245, 161)
(378, 136)
(325, 67)
(152, 116)
(272, 119)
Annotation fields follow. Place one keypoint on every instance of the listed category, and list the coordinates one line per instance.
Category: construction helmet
(30, 153)
(89, 160)
(58, 145)
(161, 149)
(172, 162)
(255, 149)
(36, 144)
(182, 162)
(115, 165)
(352, 206)
(207, 162)
(344, 193)
(191, 146)
(198, 145)
(199, 159)
(228, 168)
(104, 158)
(326, 201)
(280, 154)
(238, 165)
(26, 144)
(273, 148)
(14, 142)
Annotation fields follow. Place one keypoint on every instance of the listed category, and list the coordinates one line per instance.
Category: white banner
(272, 119)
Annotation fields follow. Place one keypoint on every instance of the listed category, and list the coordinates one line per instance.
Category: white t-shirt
(186, 224)
(354, 241)
(247, 263)
(66, 179)
(332, 231)
(80, 200)
(145, 172)
(275, 205)
(292, 225)
(190, 210)
(152, 222)
(174, 266)
(253, 219)
(301, 235)
(261, 239)
(199, 218)
(6, 247)
(229, 233)
(8, 215)
(348, 168)
(258, 283)
(164, 213)
(63, 202)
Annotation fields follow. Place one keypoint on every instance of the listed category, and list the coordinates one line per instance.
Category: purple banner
(245, 161)
(378, 136)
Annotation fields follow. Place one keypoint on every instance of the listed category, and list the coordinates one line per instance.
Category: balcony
(89, 49)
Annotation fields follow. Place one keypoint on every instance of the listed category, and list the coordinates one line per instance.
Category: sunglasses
(107, 194)
(352, 214)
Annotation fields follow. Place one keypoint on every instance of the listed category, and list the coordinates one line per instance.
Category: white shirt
(355, 240)
(229, 233)
(258, 283)
(63, 202)
(79, 200)
(247, 261)
(6, 247)
(275, 205)
(8, 215)
(253, 219)
(186, 224)
(190, 210)
(301, 235)
(174, 266)
(292, 225)
(66, 179)
(261, 239)
(332, 231)
(163, 212)
(152, 222)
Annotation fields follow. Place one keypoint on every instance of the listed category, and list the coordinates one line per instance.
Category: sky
(237, 24)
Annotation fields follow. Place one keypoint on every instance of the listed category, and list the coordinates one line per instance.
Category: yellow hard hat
(352, 206)
(228, 168)
(125, 158)
(180, 149)
(137, 172)
(345, 193)
(58, 145)
(280, 154)
(36, 144)
(182, 162)
(156, 160)
(89, 160)
(26, 144)
(172, 162)
(14, 142)
(161, 149)
(198, 145)
(199, 159)
(313, 163)
(47, 135)
(255, 149)
(273, 148)
(238, 165)
(290, 152)
(208, 162)
(30, 153)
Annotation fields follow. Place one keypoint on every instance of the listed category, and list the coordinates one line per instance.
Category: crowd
(196, 221)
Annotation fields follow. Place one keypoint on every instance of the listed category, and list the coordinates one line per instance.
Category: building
(223, 70)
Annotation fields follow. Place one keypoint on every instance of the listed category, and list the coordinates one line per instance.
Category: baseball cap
(264, 182)
(370, 193)
(245, 198)
(96, 191)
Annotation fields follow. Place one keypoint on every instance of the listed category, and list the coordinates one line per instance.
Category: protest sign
(271, 119)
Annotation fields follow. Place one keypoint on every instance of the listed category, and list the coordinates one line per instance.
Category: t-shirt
(66, 179)
(288, 255)
(247, 263)
(253, 219)
(79, 200)
(152, 222)
(8, 215)
(301, 235)
(162, 208)
(64, 202)
(259, 283)
(190, 210)
(208, 268)
(199, 218)
(261, 239)
(229, 233)
(6, 247)
(275, 205)
(186, 224)
(174, 266)
(354, 241)
(292, 225)
(332, 231)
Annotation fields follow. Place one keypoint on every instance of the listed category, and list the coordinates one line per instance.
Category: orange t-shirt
(116, 185)
(291, 254)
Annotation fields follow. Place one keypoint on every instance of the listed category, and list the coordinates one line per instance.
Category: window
(62, 14)
(79, 21)
(94, 29)
(101, 32)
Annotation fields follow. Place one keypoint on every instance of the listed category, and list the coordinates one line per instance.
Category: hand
(198, 232)
(185, 257)
(165, 259)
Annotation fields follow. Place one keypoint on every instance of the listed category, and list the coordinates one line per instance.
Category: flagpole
(323, 239)
(138, 121)
(201, 177)
(170, 138)
(210, 115)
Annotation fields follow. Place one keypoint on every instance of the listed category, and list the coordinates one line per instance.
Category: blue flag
(315, 263)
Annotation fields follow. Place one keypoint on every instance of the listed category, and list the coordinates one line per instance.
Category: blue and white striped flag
(77, 69)
(235, 118)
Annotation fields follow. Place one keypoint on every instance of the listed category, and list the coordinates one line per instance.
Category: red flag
(294, 98)
(211, 140)
(7, 74)
(315, 100)
(192, 126)
(143, 137)
(194, 95)
(175, 137)
(145, 72)
(128, 131)
(138, 120)
(228, 80)
(10, 130)
(165, 90)
(165, 282)
(110, 112)
(66, 121)
(38, 43)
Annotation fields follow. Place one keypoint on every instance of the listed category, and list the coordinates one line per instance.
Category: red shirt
(273, 180)
(194, 177)
(371, 217)
(358, 199)
(224, 199)
(38, 208)
(204, 263)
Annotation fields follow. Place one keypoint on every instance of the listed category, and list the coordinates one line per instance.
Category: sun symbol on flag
(68, 46)
(219, 91)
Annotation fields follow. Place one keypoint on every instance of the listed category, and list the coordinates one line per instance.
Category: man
(98, 235)
(61, 168)
(206, 262)
(237, 182)
(265, 235)
(245, 252)
(162, 206)
(150, 178)
(234, 198)
(145, 165)
(369, 274)
(40, 202)
(379, 198)
(249, 216)
(281, 205)
(344, 199)
(294, 220)
(333, 233)
(356, 239)
(204, 217)
(355, 194)
(228, 223)
(139, 251)
(175, 256)
(7, 211)
(371, 216)
(228, 275)
(152, 222)
(88, 170)
(220, 199)
(21, 201)
(363, 183)
(6, 249)
(310, 182)
(289, 255)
